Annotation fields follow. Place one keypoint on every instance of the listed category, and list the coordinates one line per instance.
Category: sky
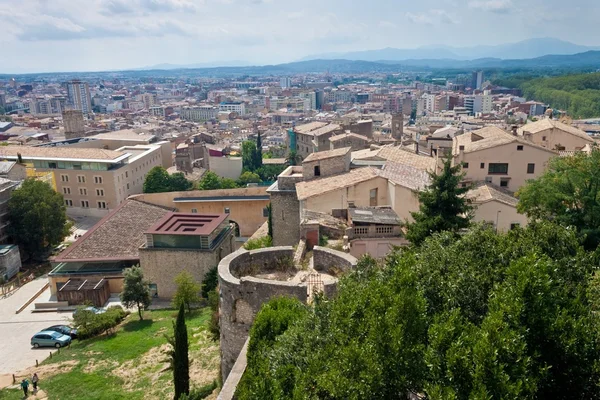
(95, 35)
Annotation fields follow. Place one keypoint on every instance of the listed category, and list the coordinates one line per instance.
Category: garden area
(132, 362)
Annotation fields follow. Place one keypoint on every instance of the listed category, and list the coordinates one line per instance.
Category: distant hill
(525, 49)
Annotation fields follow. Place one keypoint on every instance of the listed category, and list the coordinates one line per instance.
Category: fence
(7, 289)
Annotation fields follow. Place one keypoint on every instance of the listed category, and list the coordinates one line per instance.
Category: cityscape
(370, 218)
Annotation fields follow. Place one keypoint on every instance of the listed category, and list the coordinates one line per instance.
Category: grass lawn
(131, 364)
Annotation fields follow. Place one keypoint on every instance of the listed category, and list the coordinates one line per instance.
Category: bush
(258, 243)
(213, 326)
(323, 240)
(200, 393)
(89, 324)
(210, 281)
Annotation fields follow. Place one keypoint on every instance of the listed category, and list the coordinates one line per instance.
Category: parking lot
(16, 329)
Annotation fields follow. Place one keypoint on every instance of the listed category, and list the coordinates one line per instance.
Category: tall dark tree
(179, 356)
(37, 215)
(249, 155)
(258, 153)
(443, 206)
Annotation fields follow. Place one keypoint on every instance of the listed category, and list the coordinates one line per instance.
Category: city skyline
(118, 34)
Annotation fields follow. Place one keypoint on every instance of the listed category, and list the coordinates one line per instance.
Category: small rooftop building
(326, 163)
(374, 231)
(10, 261)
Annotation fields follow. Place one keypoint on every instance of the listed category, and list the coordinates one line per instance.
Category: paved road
(16, 329)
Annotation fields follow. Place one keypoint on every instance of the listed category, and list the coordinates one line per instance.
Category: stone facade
(326, 166)
(241, 297)
(162, 265)
(285, 217)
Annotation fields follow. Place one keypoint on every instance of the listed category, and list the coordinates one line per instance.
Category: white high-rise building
(286, 82)
(79, 96)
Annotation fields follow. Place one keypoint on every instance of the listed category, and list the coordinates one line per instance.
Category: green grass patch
(130, 364)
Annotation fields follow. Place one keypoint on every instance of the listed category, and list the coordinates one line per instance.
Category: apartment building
(479, 104)
(237, 107)
(314, 136)
(79, 96)
(93, 181)
(199, 113)
(495, 156)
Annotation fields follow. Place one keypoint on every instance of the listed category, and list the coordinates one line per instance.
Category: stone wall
(285, 217)
(327, 167)
(161, 265)
(242, 297)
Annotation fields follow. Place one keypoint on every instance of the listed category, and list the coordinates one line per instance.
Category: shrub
(258, 243)
(213, 326)
(89, 324)
(323, 240)
(210, 281)
(200, 393)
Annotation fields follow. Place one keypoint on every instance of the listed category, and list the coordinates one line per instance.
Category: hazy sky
(91, 35)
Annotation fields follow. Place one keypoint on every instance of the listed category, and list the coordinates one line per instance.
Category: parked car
(50, 338)
(94, 310)
(64, 329)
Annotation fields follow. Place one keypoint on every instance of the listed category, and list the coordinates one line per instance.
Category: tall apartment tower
(397, 126)
(79, 96)
(477, 80)
(2, 100)
(286, 82)
(73, 123)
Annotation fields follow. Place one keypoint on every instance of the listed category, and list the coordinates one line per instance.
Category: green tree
(293, 158)
(179, 183)
(157, 181)
(567, 192)
(443, 206)
(248, 177)
(179, 356)
(257, 163)
(210, 281)
(2, 110)
(37, 216)
(270, 172)
(209, 181)
(188, 291)
(136, 290)
(249, 155)
(228, 183)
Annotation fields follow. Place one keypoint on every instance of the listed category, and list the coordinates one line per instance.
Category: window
(461, 147)
(482, 165)
(544, 138)
(530, 168)
(498, 168)
(69, 203)
(126, 174)
(83, 191)
(99, 192)
(128, 186)
(227, 210)
(64, 178)
(85, 204)
(504, 182)
(317, 170)
(194, 211)
(52, 165)
(80, 178)
(97, 179)
(514, 225)
(102, 205)
(77, 166)
(520, 148)
(66, 190)
(265, 212)
(373, 197)
(488, 179)
(465, 165)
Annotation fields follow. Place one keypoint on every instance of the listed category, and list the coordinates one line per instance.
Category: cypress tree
(180, 359)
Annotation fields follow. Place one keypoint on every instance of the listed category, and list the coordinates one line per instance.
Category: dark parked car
(64, 329)
(50, 338)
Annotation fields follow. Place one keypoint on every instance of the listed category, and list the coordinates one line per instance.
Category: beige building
(495, 206)
(94, 181)
(555, 135)
(314, 136)
(352, 140)
(495, 156)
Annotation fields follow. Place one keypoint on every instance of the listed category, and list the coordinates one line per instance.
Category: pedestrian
(25, 386)
(34, 380)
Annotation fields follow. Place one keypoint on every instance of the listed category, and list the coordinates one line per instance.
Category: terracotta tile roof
(66, 152)
(401, 156)
(486, 138)
(347, 136)
(311, 126)
(117, 236)
(483, 192)
(405, 175)
(325, 130)
(545, 124)
(304, 190)
(323, 155)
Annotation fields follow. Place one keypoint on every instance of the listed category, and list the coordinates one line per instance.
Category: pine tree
(258, 153)
(443, 206)
(179, 356)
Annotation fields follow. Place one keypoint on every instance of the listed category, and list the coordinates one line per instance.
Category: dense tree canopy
(209, 181)
(567, 193)
(476, 316)
(443, 206)
(158, 180)
(136, 291)
(37, 216)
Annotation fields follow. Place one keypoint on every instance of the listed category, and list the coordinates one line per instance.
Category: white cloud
(495, 6)
(387, 25)
(419, 18)
(432, 17)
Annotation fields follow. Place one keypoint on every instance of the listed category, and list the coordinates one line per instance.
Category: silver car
(50, 339)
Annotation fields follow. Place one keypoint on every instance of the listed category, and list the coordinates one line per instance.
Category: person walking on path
(25, 386)
(34, 380)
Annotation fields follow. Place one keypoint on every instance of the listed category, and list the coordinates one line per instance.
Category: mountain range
(526, 49)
